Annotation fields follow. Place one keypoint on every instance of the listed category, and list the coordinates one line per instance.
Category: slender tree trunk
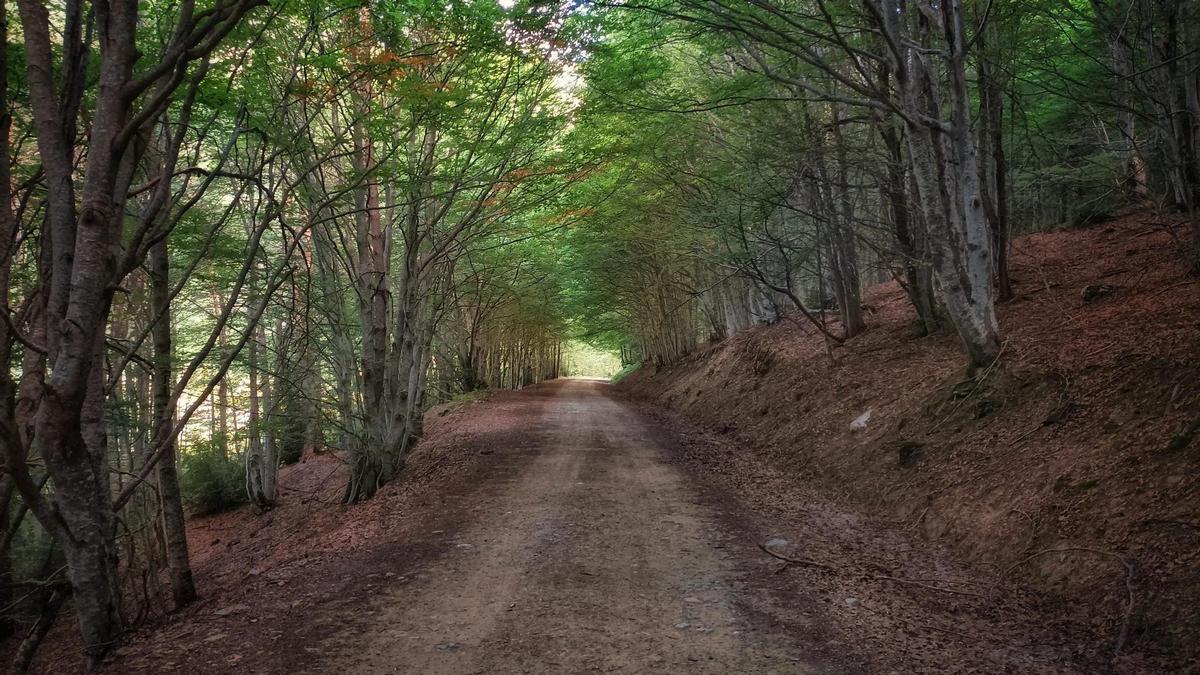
(1113, 20)
(7, 492)
(844, 246)
(48, 602)
(222, 407)
(918, 273)
(260, 456)
(7, 388)
(993, 167)
(183, 588)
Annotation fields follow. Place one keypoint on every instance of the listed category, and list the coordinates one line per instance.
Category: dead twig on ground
(883, 577)
(950, 632)
(912, 582)
(921, 518)
(1097, 351)
(1165, 521)
(795, 561)
(1173, 286)
(1027, 434)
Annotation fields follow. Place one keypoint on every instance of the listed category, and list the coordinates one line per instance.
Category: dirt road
(592, 547)
(561, 529)
(596, 556)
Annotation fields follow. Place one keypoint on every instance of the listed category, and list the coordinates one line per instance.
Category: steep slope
(1072, 468)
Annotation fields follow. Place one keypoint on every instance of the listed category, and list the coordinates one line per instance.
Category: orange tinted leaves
(417, 60)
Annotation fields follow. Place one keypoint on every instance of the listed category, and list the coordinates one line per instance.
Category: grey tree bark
(945, 167)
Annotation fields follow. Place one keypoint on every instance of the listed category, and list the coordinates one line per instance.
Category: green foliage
(209, 480)
(30, 547)
(287, 426)
(469, 397)
(624, 372)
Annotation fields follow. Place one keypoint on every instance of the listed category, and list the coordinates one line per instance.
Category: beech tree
(87, 249)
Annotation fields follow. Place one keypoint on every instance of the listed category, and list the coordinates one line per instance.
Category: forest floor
(560, 529)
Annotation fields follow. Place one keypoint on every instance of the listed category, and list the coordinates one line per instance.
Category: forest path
(589, 551)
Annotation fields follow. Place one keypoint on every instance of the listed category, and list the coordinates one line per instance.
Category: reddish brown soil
(1065, 472)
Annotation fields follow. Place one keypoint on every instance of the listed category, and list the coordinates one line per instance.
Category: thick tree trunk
(946, 171)
(85, 219)
(371, 462)
(83, 524)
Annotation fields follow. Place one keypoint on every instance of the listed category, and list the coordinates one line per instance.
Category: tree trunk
(84, 220)
(1114, 22)
(845, 251)
(7, 490)
(260, 456)
(992, 176)
(910, 237)
(7, 390)
(48, 602)
(946, 171)
(183, 588)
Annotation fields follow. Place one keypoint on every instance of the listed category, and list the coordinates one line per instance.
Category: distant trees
(1153, 56)
(445, 133)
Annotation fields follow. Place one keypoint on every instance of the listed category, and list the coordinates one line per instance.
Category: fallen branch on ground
(1174, 286)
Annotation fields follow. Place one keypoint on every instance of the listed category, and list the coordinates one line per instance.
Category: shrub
(209, 481)
(289, 439)
(624, 372)
(287, 427)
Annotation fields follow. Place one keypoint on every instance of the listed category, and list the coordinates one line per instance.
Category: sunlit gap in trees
(580, 359)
